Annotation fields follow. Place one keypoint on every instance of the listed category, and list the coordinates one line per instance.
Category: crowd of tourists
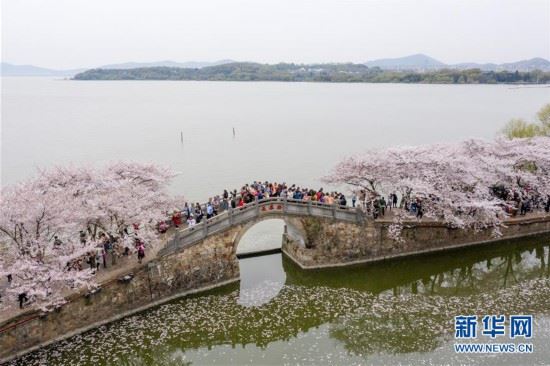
(516, 203)
(109, 249)
(524, 202)
(379, 205)
(193, 214)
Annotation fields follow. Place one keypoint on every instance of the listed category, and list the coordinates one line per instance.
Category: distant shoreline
(513, 85)
(333, 73)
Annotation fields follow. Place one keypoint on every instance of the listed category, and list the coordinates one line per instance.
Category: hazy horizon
(231, 60)
(71, 34)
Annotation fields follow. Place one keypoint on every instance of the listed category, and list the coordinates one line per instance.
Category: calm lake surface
(284, 131)
(398, 312)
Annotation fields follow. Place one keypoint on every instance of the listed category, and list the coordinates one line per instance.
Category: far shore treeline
(345, 73)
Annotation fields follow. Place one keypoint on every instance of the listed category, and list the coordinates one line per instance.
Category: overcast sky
(88, 33)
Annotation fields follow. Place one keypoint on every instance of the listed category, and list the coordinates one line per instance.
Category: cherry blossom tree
(456, 183)
(42, 221)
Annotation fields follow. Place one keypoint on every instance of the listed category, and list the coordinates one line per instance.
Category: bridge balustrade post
(334, 211)
(285, 204)
(205, 230)
(230, 214)
(257, 206)
(174, 243)
(309, 208)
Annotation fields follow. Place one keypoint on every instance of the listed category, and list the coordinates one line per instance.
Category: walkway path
(123, 266)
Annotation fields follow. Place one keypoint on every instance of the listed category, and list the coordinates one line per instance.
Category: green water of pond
(395, 312)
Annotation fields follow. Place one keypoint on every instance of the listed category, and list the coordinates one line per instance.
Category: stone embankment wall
(210, 264)
(329, 243)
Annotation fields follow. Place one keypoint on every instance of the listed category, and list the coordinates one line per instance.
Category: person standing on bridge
(176, 218)
(209, 210)
(198, 213)
(187, 210)
(216, 204)
(284, 193)
(225, 200)
(343, 201)
(319, 194)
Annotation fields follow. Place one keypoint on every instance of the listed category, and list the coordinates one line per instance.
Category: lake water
(292, 132)
(398, 312)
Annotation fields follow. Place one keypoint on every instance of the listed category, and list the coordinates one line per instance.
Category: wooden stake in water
(181, 136)
(233, 131)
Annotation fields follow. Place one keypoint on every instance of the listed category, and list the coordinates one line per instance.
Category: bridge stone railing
(274, 206)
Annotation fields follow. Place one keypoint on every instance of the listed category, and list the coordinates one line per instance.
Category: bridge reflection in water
(261, 277)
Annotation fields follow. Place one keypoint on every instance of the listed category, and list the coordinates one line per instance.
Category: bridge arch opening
(260, 264)
(258, 237)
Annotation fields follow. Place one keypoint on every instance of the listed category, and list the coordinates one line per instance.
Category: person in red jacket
(176, 218)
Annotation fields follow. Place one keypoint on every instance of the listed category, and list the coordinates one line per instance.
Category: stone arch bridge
(317, 235)
(321, 235)
(232, 224)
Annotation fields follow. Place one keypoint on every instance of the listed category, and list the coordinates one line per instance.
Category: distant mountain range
(421, 62)
(418, 62)
(30, 70)
(412, 62)
(536, 63)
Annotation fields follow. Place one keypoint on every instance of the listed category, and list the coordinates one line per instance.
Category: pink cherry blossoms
(60, 203)
(471, 184)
